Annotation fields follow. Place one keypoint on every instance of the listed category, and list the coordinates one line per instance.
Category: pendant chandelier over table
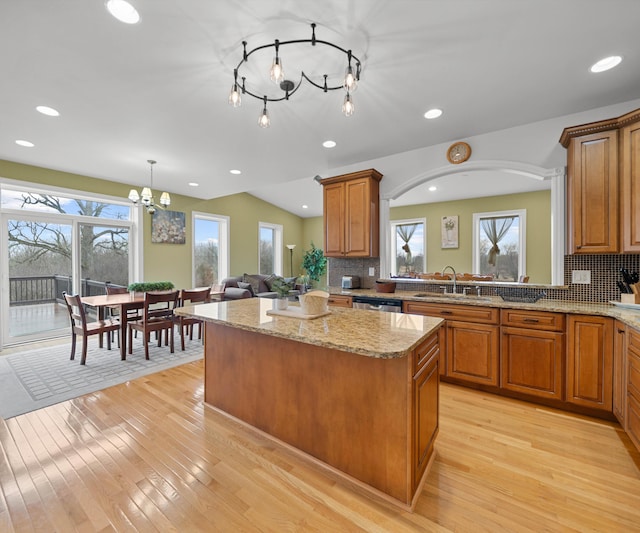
(145, 198)
(349, 83)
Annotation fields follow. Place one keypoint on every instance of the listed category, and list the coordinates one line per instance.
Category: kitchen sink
(453, 296)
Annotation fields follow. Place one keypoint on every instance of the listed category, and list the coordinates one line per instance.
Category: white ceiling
(159, 89)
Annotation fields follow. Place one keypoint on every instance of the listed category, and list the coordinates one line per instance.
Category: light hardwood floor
(149, 456)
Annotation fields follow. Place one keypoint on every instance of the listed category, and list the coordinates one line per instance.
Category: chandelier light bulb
(235, 99)
(277, 73)
(264, 121)
(350, 81)
(347, 107)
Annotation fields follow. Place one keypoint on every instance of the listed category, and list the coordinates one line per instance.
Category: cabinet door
(532, 362)
(334, 218)
(630, 183)
(472, 352)
(425, 412)
(592, 190)
(619, 372)
(590, 361)
(361, 218)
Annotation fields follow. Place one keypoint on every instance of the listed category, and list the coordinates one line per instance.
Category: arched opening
(481, 178)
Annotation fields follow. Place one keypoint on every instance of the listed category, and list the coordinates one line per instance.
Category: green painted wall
(313, 232)
(537, 204)
(173, 262)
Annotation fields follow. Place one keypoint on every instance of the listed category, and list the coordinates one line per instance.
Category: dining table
(124, 303)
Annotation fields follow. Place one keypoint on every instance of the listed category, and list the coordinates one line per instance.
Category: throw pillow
(254, 281)
(248, 286)
(269, 280)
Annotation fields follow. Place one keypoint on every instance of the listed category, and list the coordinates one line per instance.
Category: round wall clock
(458, 152)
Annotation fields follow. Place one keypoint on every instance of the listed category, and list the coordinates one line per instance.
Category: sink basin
(457, 296)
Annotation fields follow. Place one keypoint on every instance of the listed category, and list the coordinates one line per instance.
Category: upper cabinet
(352, 214)
(603, 194)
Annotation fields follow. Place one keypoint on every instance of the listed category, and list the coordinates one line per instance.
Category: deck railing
(28, 290)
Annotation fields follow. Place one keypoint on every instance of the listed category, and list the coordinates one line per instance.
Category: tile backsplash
(604, 268)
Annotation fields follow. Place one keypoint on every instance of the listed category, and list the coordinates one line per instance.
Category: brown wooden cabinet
(590, 361)
(592, 193)
(352, 214)
(630, 187)
(620, 372)
(340, 300)
(603, 195)
(532, 352)
(425, 404)
(471, 340)
(632, 415)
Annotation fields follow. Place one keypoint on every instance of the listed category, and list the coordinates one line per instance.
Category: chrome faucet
(455, 290)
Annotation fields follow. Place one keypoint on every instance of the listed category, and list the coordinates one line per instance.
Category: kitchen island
(356, 391)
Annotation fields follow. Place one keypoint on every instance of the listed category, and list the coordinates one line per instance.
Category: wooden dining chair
(152, 320)
(191, 297)
(80, 326)
(132, 314)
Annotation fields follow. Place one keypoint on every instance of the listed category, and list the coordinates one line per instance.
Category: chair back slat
(170, 298)
(195, 296)
(76, 311)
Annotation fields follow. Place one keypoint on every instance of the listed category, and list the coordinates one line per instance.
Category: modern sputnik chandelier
(348, 84)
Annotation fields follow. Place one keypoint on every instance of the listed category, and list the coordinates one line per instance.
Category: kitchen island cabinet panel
(590, 361)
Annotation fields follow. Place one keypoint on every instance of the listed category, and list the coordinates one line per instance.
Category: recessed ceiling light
(27, 144)
(235, 171)
(305, 206)
(123, 11)
(606, 64)
(193, 184)
(45, 110)
(433, 188)
(433, 113)
(329, 144)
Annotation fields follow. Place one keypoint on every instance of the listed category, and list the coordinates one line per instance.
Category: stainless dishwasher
(390, 305)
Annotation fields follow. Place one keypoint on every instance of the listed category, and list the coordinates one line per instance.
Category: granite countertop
(370, 333)
(629, 316)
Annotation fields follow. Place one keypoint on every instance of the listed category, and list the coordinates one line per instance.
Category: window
(210, 249)
(54, 240)
(270, 249)
(499, 244)
(408, 246)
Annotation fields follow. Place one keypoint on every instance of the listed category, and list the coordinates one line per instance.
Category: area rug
(33, 379)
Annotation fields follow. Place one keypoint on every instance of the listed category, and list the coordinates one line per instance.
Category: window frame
(277, 246)
(522, 237)
(223, 243)
(393, 224)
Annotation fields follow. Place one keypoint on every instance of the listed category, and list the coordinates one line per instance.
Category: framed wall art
(168, 227)
(449, 231)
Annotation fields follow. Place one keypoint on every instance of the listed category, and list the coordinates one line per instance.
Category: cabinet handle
(533, 320)
(446, 312)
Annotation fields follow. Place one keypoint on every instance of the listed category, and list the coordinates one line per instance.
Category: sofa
(255, 285)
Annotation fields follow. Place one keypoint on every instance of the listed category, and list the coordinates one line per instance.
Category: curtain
(496, 229)
(405, 232)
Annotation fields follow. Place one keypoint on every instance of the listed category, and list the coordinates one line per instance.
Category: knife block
(630, 298)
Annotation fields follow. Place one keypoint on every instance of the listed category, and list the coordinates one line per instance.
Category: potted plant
(314, 262)
(281, 288)
(149, 286)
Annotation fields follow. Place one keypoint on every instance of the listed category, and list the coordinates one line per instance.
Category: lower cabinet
(632, 421)
(590, 361)
(471, 344)
(620, 372)
(532, 352)
(339, 300)
(472, 352)
(425, 404)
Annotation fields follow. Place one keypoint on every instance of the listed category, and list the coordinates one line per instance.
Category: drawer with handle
(547, 321)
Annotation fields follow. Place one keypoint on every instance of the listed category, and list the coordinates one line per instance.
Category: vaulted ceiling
(158, 89)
